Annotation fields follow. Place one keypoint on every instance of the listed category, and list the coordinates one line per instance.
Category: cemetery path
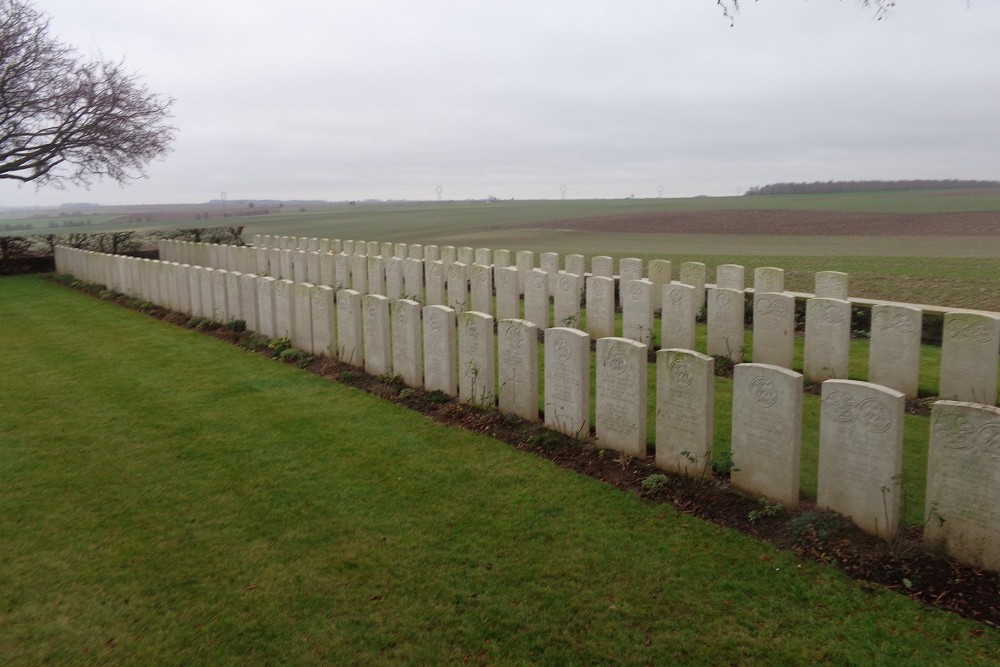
(781, 222)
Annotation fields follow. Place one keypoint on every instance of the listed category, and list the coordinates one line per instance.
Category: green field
(170, 499)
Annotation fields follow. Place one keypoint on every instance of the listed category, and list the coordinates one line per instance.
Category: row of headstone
(970, 351)
(861, 423)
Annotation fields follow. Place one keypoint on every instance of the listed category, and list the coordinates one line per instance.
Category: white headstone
(440, 362)
(375, 322)
(220, 304)
(637, 311)
(725, 323)
(342, 271)
(621, 395)
(894, 351)
(407, 342)
(376, 274)
(300, 274)
(458, 287)
(416, 251)
(677, 323)
(264, 311)
(508, 299)
(536, 297)
(432, 253)
(828, 339)
(600, 306)
(768, 279)
(350, 343)
(603, 266)
(693, 274)
(566, 300)
(525, 262)
(685, 393)
(476, 365)
(660, 274)
(773, 328)
(549, 262)
(483, 256)
(394, 278)
(629, 268)
(831, 285)
(861, 454)
(413, 279)
(517, 368)
(963, 483)
(359, 273)
(567, 381)
(730, 276)
(767, 432)
(327, 269)
(575, 264)
(969, 356)
(400, 250)
(482, 288)
(284, 309)
(234, 301)
(435, 275)
(501, 259)
(324, 324)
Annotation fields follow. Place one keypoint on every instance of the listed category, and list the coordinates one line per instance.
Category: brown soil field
(774, 222)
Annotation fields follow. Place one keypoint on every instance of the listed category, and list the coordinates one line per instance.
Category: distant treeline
(832, 187)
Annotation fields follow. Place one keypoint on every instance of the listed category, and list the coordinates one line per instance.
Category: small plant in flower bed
(279, 345)
(239, 326)
(297, 357)
(198, 323)
(656, 483)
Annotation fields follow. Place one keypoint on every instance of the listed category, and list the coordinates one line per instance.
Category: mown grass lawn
(169, 499)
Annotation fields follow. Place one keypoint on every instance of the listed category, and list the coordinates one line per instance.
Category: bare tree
(66, 119)
(730, 8)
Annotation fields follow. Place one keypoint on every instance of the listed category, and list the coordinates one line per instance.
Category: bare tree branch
(68, 120)
(730, 8)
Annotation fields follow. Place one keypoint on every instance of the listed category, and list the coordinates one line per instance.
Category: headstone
(828, 339)
(432, 253)
(508, 300)
(342, 271)
(285, 265)
(194, 289)
(831, 285)
(969, 356)
(768, 279)
(482, 288)
(677, 323)
(693, 274)
(234, 298)
(773, 328)
(274, 262)
(458, 287)
(416, 251)
(407, 342)
(575, 264)
(730, 276)
(517, 368)
(375, 322)
(525, 262)
(476, 366)
(536, 297)
(603, 266)
(302, 326)
(394, 278)
(725, 323)
(861, 454)
(566, 300)
(347, 247)
(284, 309)
(220, 304)
(324, 324)
(205, 281)
(600, 306)
(327, 269)
(629, 268)
(312, 268)
(350, 343)
(262, 260)
(376, 274)
(466, 257)
(376, 248)
(567, 381)
(325, 246)
(483, 256)
(386, 250)
(660, 274)
(549, 262)
(435, 274)
(637, 311)
(621, 395)
(299, 272)
(767, 432)
(685, 390)
(440, 372)
(264, 311)
(501, 259)
(963, 483)
(400, 251)
(413, 279)
(359, 273)
(894, 351)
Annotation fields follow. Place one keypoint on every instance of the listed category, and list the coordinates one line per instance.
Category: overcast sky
(390, 99)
